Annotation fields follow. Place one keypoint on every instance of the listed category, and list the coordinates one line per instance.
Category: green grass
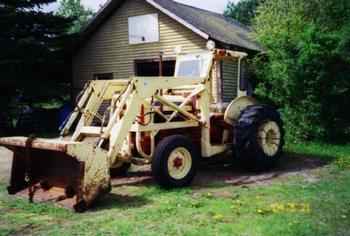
(291, 205)
(328, 152)
(321, 150)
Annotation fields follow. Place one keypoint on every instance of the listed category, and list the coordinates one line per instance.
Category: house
(127, 38)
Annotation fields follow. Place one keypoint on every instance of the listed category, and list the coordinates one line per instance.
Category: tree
(75, 10)
(31, 48)
(31, 40)
(307, 70)
(243, 11)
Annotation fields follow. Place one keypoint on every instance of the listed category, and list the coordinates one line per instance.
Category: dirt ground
(222, 172)
(225, 172)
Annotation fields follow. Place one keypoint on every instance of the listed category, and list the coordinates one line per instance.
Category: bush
(306, 68)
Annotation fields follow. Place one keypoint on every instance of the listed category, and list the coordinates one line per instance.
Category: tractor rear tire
(175, 162)
(259, 138)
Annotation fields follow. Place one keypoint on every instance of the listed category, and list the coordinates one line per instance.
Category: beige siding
(108, 49)
(229, 75)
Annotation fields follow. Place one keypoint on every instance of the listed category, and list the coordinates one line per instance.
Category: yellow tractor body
(163, 121)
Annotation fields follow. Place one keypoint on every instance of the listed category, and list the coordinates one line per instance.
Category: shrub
(306, 68)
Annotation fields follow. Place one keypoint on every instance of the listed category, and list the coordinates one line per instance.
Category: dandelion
(218, 217)
(290, 207)
(260, 211)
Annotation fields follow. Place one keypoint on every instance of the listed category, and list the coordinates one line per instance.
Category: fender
(235, 108)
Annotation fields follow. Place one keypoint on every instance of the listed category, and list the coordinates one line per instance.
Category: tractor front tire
(175, 162)
(259, 138)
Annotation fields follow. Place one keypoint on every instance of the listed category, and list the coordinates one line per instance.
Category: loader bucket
(70, 173)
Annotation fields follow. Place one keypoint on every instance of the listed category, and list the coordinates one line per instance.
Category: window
(189, 68)
(151, 67)
(193, 65)
(103, 76)
(143, 29)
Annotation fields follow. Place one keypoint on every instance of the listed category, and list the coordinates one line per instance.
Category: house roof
(206, 24)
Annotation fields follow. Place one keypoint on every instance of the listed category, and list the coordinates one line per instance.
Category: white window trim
(157, 33)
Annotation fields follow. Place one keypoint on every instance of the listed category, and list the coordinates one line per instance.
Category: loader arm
(94, 94)
(81, 169)
(77, 110)
(139, 90)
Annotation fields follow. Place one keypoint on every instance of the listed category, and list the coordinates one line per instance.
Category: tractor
(170, 123)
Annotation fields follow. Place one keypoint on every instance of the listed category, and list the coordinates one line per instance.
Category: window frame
(109, 75)
(153, 60)
(202, 56)
(157, 28)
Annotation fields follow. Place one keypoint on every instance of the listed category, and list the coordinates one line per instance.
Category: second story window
(143, 29)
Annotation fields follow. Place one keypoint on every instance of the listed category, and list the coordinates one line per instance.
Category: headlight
(211, 45)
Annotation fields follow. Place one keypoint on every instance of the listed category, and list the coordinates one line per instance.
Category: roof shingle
(216, 26)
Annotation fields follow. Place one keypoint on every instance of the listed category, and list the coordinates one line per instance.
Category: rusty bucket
(72, 174)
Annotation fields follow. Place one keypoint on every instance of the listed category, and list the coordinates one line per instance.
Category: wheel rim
(179, 163)
(269, 138)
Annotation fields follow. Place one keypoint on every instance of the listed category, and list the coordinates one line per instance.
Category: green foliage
(28, 36)
(31, 44)
(33, 49)
(75, 10)
(243, 11)
(306, 68)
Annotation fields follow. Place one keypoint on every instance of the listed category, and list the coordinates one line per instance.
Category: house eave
(112, 5)
(179, 20)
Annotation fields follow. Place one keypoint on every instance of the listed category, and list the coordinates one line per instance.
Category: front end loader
(66, 171)
(166, 122)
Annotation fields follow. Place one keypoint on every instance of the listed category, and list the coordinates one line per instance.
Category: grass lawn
(316, 203)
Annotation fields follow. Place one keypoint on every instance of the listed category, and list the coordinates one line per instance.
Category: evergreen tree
(31, 42)
(32, 54)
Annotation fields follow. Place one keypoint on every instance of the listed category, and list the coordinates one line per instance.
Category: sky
(212, 5)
